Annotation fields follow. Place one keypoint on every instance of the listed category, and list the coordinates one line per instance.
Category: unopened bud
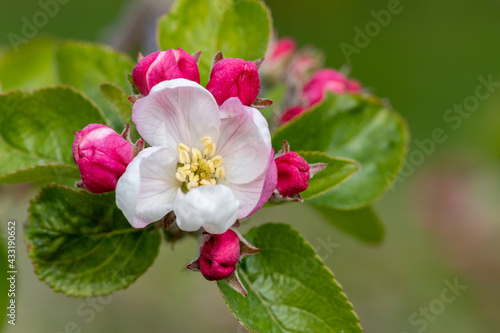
(328, 80)
(220, 255)
(162, 66)
(102, 156)
(291, 113)
(233, 77)
(283, 48)
(293, 174)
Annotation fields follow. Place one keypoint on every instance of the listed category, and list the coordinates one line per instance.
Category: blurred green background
(442, 218)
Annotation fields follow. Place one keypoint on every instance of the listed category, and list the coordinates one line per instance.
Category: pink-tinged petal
(177, 111)
(146, 192)
(245, 142)
(270, 183)
(212, 207)
(254, 195)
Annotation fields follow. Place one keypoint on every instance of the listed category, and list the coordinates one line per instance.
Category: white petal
(244, 142)
(146, 191)
(252, 196)
(177, 111)
(212, 207)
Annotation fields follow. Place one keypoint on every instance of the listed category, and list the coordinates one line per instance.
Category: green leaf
(337, 171)
(350, 126)
(276, 93)
(31, 66)
(36, 133)
(118, 100)
(130, 80)
(237, 28)
(86, 66)
(289, 288)
(363, 224)
(82, 245)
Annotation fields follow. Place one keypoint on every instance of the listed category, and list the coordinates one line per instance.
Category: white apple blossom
(210, 165)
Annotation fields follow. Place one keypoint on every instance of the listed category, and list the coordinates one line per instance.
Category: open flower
(208, 165)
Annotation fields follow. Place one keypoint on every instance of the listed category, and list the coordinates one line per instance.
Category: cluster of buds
(103, 155)
(229, 77)
(307, 81)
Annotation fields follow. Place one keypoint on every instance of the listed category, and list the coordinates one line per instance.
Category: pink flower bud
(220, 255)
(281, 49)
(293, 174)
(102, 156)
(291, 113)
(232, 77)
(162, 66)
(278, 56)
(328, 80)
(303, 65)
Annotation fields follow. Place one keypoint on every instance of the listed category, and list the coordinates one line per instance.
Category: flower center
(199, 169)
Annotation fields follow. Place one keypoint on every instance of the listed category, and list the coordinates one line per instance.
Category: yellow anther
(217, 161)
(205, 182)
(197, 151)
(180, 177)
(209, 150)
(182, 147)
(220, 172)
(210, 166)
(192, 185)
(184, 157)
(196, 154)
(206, 140)
(185, 168)
(197, 168)
(213, 149)
(193, 178)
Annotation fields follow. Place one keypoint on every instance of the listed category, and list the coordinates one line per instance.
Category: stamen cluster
(199, 169)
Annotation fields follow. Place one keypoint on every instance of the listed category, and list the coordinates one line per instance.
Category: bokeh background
(442, 218)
